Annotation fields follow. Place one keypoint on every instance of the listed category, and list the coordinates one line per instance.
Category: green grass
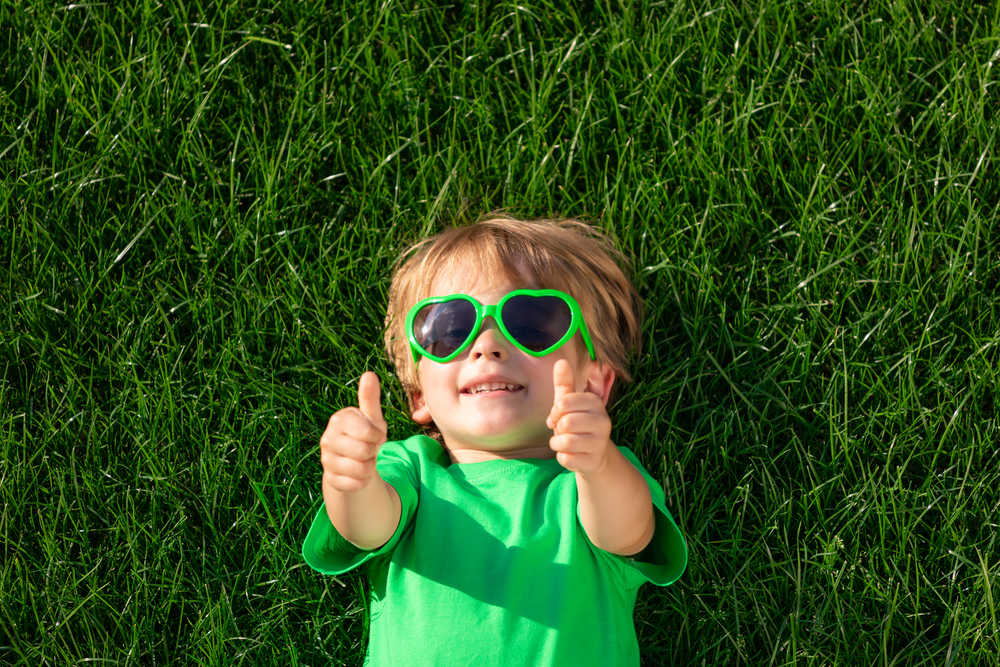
(201, 204)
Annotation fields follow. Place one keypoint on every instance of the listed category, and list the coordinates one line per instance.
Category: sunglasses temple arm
(586, 340)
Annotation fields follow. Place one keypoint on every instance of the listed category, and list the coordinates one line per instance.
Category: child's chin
(505, 434)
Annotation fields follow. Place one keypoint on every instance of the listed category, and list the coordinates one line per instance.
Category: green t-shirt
(490, 565)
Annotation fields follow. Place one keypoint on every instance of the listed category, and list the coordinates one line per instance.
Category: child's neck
(460, 455)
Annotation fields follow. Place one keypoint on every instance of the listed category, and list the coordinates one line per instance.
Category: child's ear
(600, 378)
(421, 414)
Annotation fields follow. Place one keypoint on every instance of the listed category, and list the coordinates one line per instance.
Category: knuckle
(373, 434)
(571, 422)
(339, 421)
(337, 418)
(365, 452)
(350, 468)
(334, 465)
(332, 446)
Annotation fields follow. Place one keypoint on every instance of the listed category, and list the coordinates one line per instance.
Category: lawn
(201, 204)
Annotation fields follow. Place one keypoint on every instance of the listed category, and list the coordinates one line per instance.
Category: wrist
(366, 518)
(604, 465)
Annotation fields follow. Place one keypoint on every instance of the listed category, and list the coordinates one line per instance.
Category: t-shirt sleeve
(665, 557)
(326, 550)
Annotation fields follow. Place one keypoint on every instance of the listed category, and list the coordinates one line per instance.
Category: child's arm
(615, 506)
(364, 509)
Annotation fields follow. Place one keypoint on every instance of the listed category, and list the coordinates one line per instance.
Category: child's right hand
(352, 439)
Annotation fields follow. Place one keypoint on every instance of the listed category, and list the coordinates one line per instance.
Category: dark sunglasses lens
(441, 328)
(536, 322)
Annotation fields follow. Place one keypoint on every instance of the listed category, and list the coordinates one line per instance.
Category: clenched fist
(352, 439)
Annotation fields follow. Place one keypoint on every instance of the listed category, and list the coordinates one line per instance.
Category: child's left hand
(581, 424)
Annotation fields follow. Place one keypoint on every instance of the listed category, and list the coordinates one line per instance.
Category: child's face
(507, 423)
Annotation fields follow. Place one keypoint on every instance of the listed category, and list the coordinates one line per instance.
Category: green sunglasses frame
(483, 311)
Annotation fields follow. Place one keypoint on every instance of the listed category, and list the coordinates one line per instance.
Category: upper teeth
(491, 386)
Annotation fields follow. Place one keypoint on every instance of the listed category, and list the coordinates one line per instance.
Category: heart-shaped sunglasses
(537, 322)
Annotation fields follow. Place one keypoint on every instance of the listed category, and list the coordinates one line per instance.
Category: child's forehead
(471, 272)
(466, 278)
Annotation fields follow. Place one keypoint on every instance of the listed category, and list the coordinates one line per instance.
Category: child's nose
(490, 342)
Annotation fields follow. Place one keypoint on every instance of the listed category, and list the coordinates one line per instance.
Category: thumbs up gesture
(352, 439)
(581, 424)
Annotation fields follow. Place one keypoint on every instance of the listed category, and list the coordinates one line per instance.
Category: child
(522, 537)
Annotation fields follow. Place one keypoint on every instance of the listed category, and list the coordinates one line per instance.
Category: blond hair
(567, 255)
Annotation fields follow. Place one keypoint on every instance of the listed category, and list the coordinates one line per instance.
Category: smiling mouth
(492, 387)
